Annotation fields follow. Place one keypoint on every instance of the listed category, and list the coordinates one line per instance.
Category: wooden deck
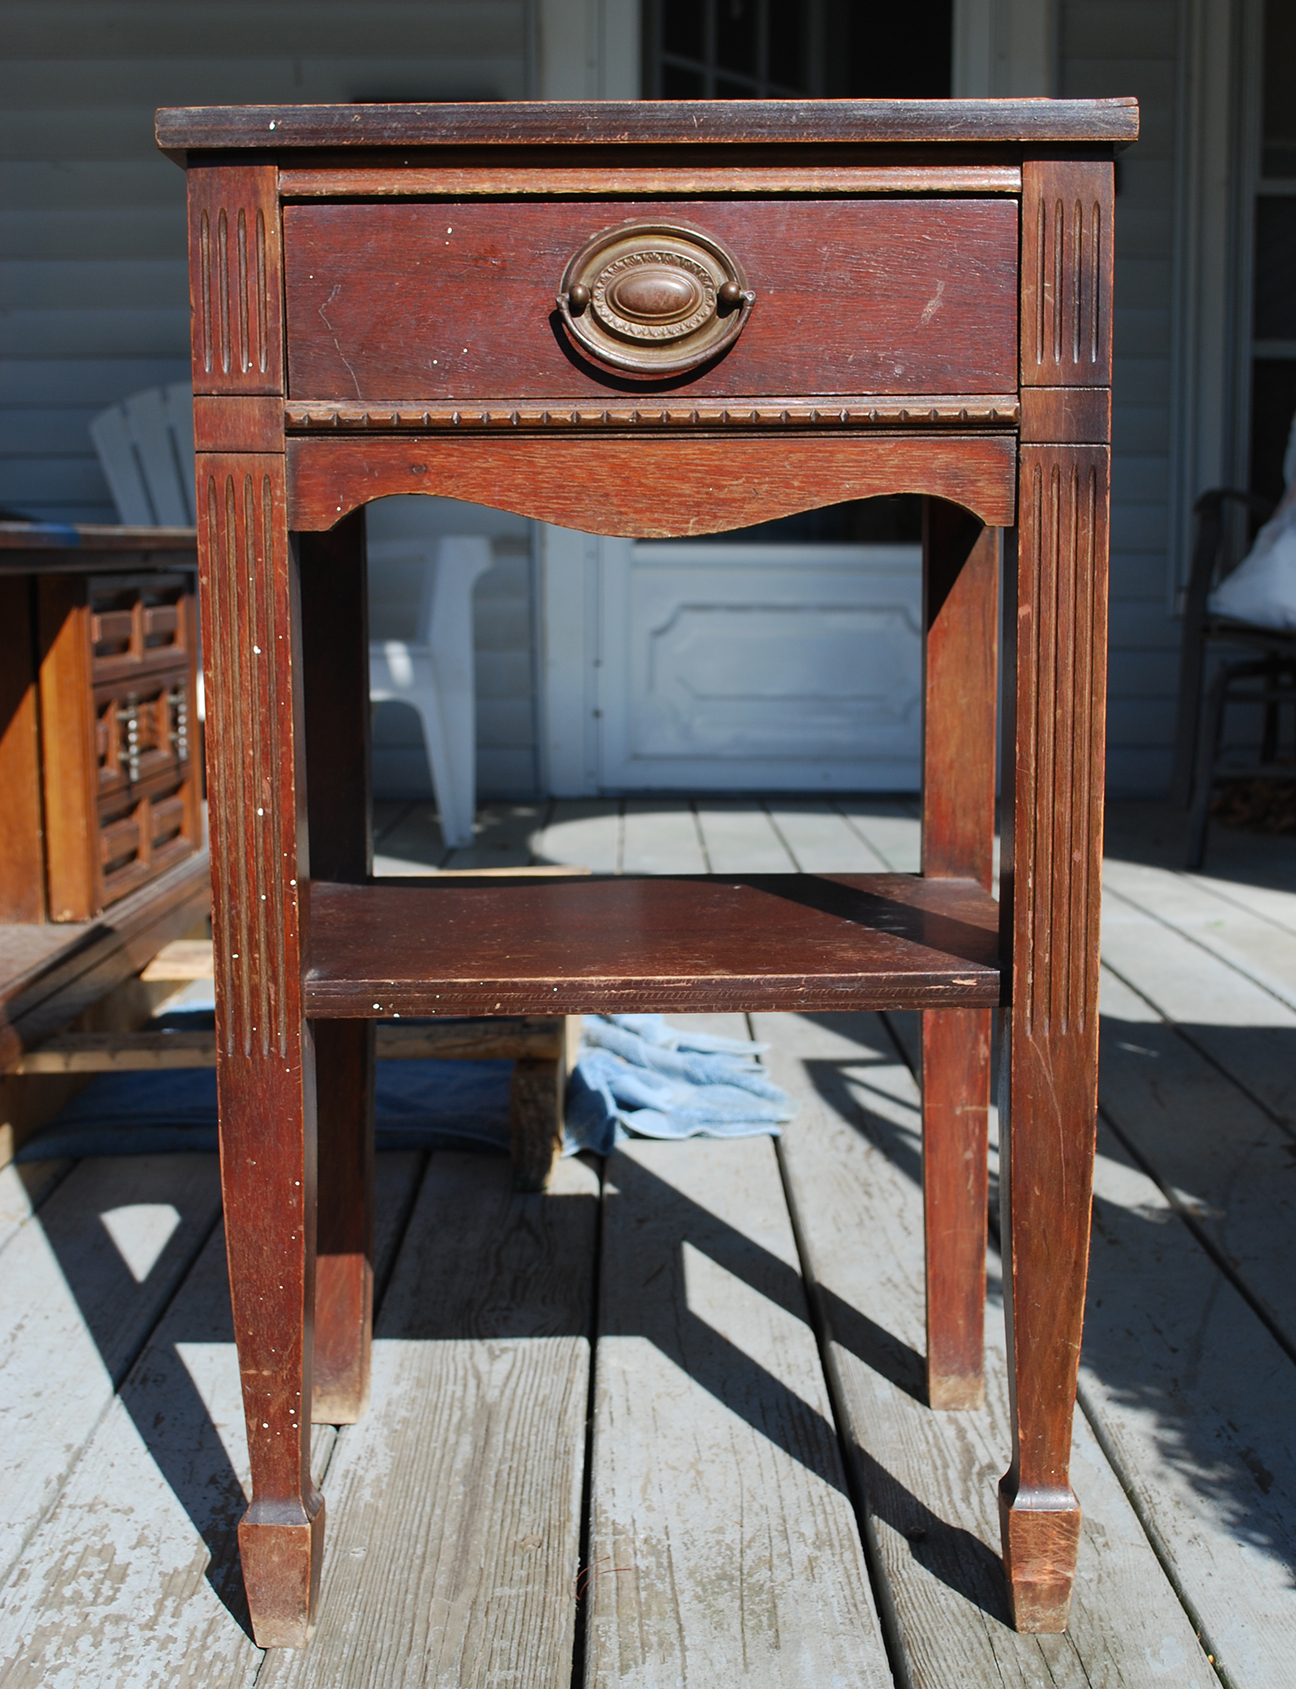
(664, 1426)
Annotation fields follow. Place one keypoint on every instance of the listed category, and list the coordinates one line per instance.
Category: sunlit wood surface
(665, 1424)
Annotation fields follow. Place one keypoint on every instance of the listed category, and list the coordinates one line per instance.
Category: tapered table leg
(961, 613)
(335, 662)
(265, 1071)
(1050, 881)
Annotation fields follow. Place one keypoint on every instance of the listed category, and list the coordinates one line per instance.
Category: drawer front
(407, 301)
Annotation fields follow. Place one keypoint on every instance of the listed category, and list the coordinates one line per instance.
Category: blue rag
(637, 1076)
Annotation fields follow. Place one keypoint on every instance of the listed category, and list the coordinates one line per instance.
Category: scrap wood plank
(45, 984)
(454, 1505)
(132, 1579)
(723, 1544)
(85, 1283)
(1233, 1020)
(853, 1160)
(1192, 1397)
(536, 1037)
(1221, 1160)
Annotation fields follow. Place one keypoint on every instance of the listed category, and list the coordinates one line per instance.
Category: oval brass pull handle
(653, 299)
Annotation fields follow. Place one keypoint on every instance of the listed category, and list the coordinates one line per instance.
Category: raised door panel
(405, 302)
(737, 667)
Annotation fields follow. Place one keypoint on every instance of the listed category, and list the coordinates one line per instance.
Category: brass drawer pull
(653, 299)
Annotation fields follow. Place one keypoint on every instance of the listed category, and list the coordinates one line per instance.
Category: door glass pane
(1275, 268)
(788, 42)
(1279, 151)
(736, 36)
(683, 28)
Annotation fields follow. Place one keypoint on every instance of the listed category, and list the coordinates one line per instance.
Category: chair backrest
(146, 451)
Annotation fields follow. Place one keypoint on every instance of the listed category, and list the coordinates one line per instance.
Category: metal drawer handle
(653, 299)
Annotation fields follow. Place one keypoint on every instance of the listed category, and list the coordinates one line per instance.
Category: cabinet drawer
(446, 300)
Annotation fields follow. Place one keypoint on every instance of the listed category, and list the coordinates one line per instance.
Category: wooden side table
(654, 319)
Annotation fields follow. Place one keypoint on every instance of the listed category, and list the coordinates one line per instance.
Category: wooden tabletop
(62, 547)
(640, 122)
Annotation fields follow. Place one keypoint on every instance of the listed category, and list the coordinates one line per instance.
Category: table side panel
(650, 486)
(396, 301)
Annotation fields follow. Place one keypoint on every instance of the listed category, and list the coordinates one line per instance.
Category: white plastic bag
(1262, 589)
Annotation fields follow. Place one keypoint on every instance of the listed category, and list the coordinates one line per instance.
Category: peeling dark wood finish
(642, 122)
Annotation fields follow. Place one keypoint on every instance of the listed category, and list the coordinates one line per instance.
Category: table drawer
(446, 300)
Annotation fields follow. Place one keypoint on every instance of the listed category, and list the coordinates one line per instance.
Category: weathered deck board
(723, 1544)
(890, 828)
(23, 1187)
(504, 832)
(661, 837)
(455, 1503)
(1252, 943)
(1237, 1023)
(820, 839)
(1192, 1397)
(853, 1161)
(87, 1280)
(132, 1578)
(582, 834)
(1219, 1158)
(739, 838)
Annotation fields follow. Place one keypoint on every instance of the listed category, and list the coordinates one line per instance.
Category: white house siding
(93, 292)
(1131, 47)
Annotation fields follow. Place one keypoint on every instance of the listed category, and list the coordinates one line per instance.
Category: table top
(619, 122)
(28, 548)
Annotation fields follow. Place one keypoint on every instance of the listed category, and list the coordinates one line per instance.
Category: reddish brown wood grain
(235, 279)
(606, 176)
(238, 422)
(1051, 877)
(74, 873)
(335, 681)
(1067, 212)
(703, 944)
(640, 122)
(960, 672)
(22, 861)
(265, 1072)
(955, 1104)
(877, 295)
(1065, 416)
(649, 487)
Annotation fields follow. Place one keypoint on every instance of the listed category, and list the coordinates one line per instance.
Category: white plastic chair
(146, 451)
(433, 672)
(145, 446)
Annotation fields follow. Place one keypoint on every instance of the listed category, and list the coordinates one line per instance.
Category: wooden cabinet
(103, 740)
(655, 320)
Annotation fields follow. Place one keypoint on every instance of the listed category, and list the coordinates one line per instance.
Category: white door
(729, 666)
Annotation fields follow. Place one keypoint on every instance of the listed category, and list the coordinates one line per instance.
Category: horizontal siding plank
(65, 28)
(62, 284)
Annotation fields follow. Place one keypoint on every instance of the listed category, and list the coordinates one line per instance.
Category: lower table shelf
(700, 944)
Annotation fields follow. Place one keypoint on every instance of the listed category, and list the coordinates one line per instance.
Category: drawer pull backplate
(654, 299)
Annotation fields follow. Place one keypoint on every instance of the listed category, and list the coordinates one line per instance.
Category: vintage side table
(654, 319)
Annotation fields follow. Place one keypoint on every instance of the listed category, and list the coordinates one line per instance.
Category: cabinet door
(726, 666)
